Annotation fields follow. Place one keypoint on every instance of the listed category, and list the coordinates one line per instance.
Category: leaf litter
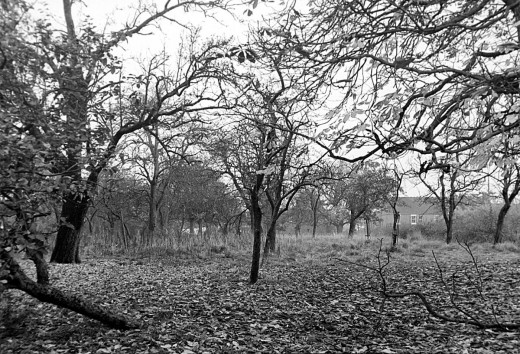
(296, 307)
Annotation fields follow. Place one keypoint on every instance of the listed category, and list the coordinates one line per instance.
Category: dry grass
(291, 249)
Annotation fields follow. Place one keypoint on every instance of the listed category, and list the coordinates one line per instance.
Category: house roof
(418, 206)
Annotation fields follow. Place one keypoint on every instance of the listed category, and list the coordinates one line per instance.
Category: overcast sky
(111, 15)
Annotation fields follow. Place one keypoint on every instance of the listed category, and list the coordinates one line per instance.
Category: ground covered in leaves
(298, 306)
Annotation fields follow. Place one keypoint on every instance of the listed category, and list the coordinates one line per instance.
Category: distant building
(413, 211)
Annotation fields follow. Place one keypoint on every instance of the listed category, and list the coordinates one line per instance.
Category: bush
(475, 224)
(435, 230)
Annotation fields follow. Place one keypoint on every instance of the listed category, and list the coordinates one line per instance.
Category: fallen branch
(17, 279)
(470, 319)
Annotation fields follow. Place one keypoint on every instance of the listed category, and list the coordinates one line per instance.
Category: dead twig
(470, 319)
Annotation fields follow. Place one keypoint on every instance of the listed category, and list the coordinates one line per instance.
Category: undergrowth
(289, 247)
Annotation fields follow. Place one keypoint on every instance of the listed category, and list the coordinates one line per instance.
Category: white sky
(111, 15)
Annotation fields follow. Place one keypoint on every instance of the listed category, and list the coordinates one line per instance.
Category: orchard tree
(62, 119)
(153, 154)
(334, 193)
(305, 206)
(198, 195)
(355, 192)
(30, 141)
(366, 191)
(77, 67)
(260, 146)
(312, 196)
(397, 172)
(510, 183)
(451, 183)
(506, 173)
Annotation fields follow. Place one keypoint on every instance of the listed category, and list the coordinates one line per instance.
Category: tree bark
(192, 226)
(270, 239)
(256, 216)
(395, 227)
(500, 223)
(508, 199)
(152, 217)
(314, 207)
(74, 209)
(42, 269)
(352, 228)
(314, 223)
(19, 280)
(449, 231)
(199, 225)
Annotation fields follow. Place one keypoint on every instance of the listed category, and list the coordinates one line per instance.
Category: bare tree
(392, 198)
(450, 184)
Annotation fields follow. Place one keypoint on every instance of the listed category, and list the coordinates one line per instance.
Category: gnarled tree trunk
(66, 249)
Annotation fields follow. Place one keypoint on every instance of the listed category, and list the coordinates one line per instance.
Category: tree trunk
(75, 89)
(367, 223)
(508, 199)
(66, 248)
(199, 224)
(354, 215)
(339, 229)
(19, 280)
(314, 223)
(257, 244)
(151, 213)
(256, 216)
(314, 207)
(395, 228)
(239, 226)
(500, 223)
(42, 269)
(192, 227)
(352, 228)
(270, 239)
(449, 231)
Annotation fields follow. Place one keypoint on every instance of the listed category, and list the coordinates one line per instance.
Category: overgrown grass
(289, 247)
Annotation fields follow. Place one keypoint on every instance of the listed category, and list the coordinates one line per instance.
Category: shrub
(434, 230)
(475, 224)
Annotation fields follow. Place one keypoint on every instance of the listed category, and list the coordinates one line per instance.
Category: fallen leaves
(295, 308)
